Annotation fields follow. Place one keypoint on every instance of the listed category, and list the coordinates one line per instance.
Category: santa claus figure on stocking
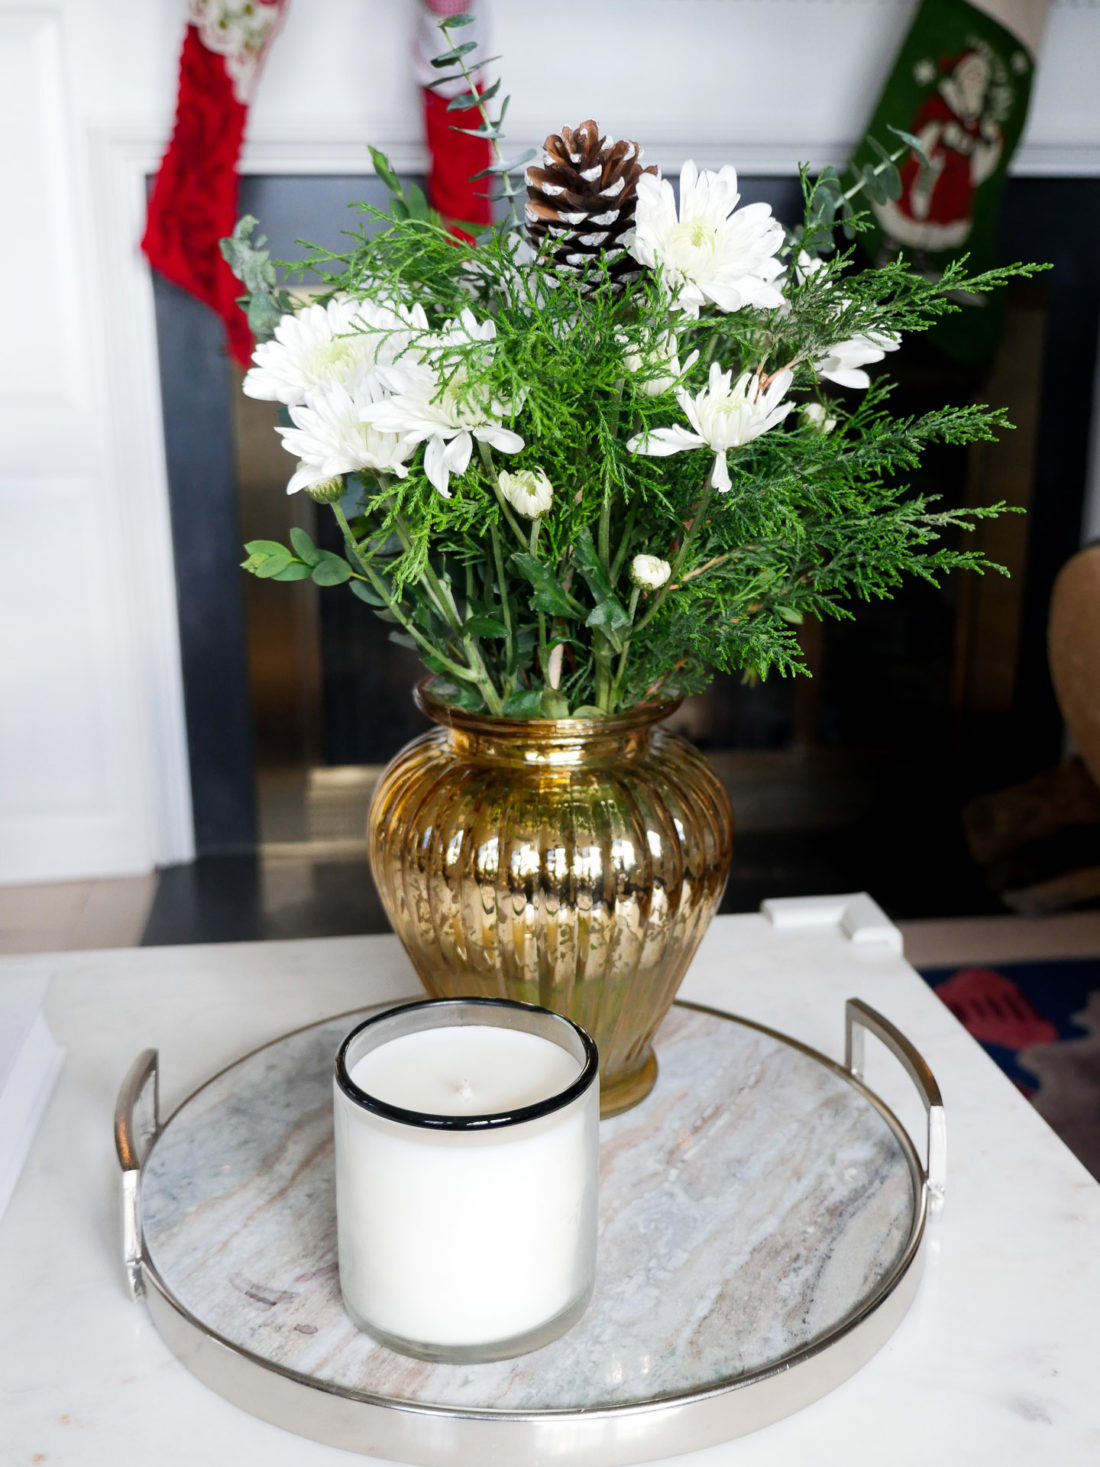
(962, 141)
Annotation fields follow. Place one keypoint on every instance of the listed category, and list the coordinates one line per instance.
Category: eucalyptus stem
(492, 132)
(880, 167)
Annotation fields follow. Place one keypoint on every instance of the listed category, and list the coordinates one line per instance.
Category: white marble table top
(995, 1362)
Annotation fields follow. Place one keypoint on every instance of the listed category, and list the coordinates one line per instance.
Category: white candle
(466, 1177)
(465, 1070)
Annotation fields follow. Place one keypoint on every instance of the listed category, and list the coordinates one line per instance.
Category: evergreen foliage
(813, 520)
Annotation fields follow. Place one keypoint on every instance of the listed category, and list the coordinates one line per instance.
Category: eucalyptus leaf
(483, 131)
(508, 165)
(330, 570)
(366, 593)
(466, 100)
(295, 571)
(450, 58)
(872, 184)
(452, 22)
(588, 710)
(268, 569)
(913, 142)
(304, 547)
(264, 314)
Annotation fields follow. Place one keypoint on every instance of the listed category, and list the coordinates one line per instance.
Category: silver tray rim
(275, 1393)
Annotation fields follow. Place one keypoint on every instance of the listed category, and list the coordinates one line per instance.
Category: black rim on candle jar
(450, 1012)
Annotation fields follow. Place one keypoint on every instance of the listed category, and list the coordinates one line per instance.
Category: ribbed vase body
(570, 863)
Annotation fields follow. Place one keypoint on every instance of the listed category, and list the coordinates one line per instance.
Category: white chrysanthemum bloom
(435, 405)
(819, 417)
(331, 436)
(339, 342)
(713, 251)
(663, 359)
(843, 363)
(528, 491)
(649, 571)
(723, 417)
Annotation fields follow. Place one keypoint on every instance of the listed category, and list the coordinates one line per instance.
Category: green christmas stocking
(961, 85)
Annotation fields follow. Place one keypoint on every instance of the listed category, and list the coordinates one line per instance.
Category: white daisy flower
(331, 436)
(844, 362)
(713, 251)
(663, 359)
(649, 571)
(723, 417)
(339, 342)
(435, 404)
(528, 491)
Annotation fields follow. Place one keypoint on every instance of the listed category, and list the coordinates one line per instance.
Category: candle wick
(465, 1090)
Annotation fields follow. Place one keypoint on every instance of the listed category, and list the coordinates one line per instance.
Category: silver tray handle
(137, 1122)
(859, 1020)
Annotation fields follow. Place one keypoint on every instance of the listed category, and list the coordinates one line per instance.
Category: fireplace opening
(853, 779)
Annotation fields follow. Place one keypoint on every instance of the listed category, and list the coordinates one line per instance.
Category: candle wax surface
(465, 1070)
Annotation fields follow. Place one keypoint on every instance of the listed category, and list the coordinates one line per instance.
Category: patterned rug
(1041, 1023)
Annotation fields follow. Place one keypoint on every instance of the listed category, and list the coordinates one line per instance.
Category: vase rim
(498, 725)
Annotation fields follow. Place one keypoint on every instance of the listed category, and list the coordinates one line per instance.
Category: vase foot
(626, 1091)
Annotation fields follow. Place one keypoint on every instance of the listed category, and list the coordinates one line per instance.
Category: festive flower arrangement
(598, 455)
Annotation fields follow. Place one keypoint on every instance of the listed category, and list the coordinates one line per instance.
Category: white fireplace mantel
(93, 758)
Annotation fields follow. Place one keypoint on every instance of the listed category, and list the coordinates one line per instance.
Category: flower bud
(528, 491)
(818, 417)
(329, 491)
(649, 571)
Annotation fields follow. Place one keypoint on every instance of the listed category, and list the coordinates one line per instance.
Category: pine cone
(583, 200)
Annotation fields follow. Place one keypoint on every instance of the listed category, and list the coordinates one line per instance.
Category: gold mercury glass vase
(573, 863)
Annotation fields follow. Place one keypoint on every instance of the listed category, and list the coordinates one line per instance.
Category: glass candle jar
(467, 1155)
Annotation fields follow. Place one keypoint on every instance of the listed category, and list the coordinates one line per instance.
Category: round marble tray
(761, 1223)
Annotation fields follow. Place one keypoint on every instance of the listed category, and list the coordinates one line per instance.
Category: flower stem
(494, 479)
(475, 672)
(616, 687)
(681, 555)
(506, 610)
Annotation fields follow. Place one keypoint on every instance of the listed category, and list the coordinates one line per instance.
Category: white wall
(93, 768)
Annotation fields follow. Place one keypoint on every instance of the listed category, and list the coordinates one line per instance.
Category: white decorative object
(30, 1060)
(467, 1153)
